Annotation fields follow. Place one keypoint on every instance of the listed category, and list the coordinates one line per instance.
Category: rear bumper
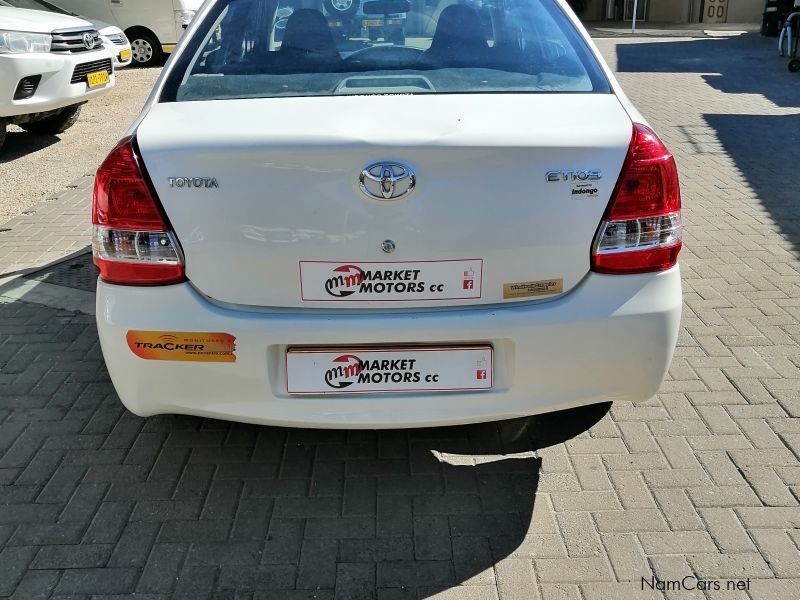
(55, 90)
(610, 339)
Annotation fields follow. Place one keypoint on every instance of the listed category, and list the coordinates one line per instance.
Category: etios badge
(387, 181)
(574, 175)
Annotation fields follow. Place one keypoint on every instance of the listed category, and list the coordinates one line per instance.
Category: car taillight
(132, 242)
(641, 229)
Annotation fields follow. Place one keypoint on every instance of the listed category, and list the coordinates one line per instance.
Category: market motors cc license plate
(329, 281)
(371, 370)
(97, 79)
(124, 55)
(372, 23)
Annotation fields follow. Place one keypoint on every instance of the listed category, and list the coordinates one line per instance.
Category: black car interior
(460, 40)
(505, 45)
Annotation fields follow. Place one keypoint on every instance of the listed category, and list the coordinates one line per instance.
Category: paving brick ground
(701, 481)
(49, 230)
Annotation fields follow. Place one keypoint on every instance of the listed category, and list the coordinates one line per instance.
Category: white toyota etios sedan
(314, 224)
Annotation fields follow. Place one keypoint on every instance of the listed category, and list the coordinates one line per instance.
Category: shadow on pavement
(766, 150)
(185, 507)
(746, 64)
(355, 513)
(78, 273)
(21, 143)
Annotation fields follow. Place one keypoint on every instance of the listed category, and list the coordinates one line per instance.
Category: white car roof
(37, 21)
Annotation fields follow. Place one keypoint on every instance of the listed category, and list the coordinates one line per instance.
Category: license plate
(378, 370)
(372, 22)
(412, 281)
(124, 55)
(97, 79)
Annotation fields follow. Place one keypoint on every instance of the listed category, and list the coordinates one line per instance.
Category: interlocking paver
(702, 480)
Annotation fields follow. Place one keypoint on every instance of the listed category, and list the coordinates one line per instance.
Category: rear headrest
(459, 29)
(307, 32)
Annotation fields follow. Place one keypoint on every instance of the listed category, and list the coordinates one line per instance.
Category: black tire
(770, 28)
(794, 65)
(58, 123)
(146, 48)
(341, 9)
(2, 133)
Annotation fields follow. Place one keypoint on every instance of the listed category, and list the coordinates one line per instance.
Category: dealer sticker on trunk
(348, 371)
(329, 281)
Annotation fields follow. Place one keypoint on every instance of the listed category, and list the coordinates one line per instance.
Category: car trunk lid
(266, 199)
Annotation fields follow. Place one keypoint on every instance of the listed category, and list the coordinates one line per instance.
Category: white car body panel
(112, 36)
(606, 338)
(547, 356)
(55, 90)
(36, 21)
(470, 163)
(158, 16)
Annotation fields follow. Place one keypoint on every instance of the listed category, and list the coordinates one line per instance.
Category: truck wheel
(145, 48)
(2, 133)
(341, 9)
(770, 28)
(57, 123)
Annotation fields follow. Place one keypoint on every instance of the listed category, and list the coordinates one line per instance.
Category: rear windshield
(280, 48)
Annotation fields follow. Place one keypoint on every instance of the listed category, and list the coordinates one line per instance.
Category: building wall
(668, 11)
(745, 11)
(682, 11)
(594, 11)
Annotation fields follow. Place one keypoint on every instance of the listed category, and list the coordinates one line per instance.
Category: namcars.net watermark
(690, 582)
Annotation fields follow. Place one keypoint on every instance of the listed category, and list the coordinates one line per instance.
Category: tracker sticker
(187, 346)
(329, 281)
(524, 289)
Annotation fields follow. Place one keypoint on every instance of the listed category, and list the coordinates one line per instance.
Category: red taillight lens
(641, 230)
(132, 243)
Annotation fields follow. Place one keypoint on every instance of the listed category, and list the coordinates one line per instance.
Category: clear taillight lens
(641, 230)
(640, 234)
(137, 257)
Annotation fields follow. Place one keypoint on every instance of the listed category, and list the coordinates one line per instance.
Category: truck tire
(57, 123)
(2, 133)
(341, 9)
(770, 28)
(145, 47)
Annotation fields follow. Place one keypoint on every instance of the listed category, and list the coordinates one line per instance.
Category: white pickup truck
(50, 65)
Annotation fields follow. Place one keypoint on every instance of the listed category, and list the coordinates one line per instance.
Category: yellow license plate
(124, 55)
(373, 23)
(97, 79)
